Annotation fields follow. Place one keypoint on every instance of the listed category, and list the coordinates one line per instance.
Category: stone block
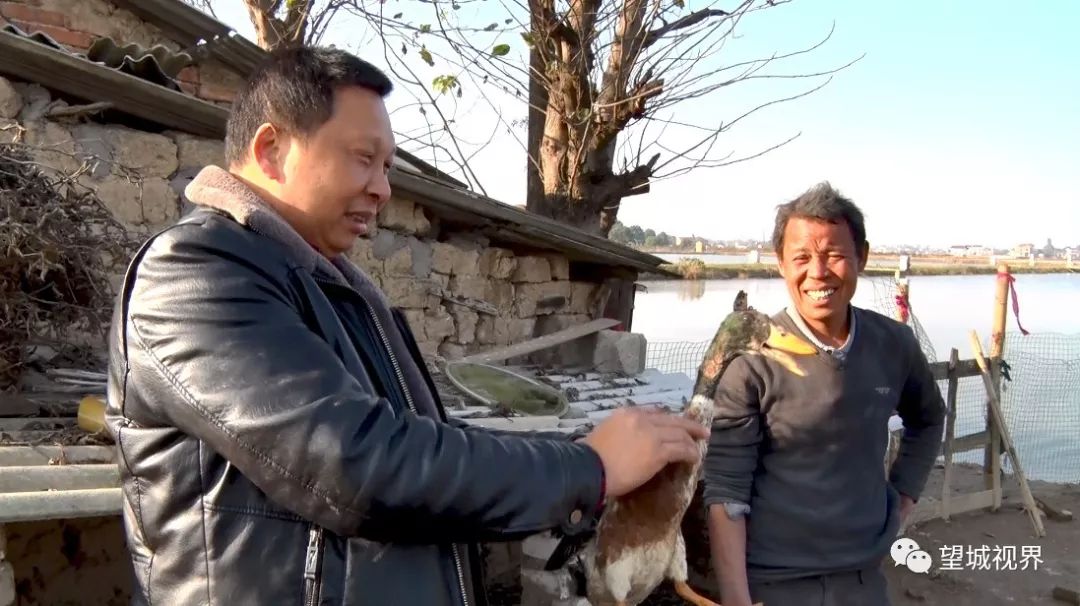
(465, 320)
(11, 102)
(198, 152)
(485, 330)
(150, 202)
(385, 243)
(421, 222)
(439, 325)
(520, 329)
(532, 269)
(442, 257)
(441, 280)
(36, 100)
(498, 263)
(531, 299)
(361, 255)
(466, 262)
(148, 154)
(580, 295)
(452, 351)
(406, 293)
(54, 147)
(560, 266)
(398, 215)
(472, 287)
(400, 263)
(428, 349)
(500, 293)
(619, 352)
(421, 257)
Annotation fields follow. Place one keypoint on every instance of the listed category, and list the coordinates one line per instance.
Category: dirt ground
(1009, 526)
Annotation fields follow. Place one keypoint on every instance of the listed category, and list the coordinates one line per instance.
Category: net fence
(1040, 396)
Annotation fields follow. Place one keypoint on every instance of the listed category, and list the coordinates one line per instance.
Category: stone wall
(461, 293)
(138, 175)
(77, 23)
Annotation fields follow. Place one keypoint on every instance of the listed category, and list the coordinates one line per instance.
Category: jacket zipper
(312, 567)
(412, 407)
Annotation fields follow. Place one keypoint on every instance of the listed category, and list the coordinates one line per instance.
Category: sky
(960, 124)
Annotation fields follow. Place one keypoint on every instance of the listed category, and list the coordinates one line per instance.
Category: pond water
(1042, 402)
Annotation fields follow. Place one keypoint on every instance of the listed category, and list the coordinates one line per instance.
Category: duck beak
(782, 345)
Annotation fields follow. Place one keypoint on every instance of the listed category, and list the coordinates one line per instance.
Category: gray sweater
(806, 453)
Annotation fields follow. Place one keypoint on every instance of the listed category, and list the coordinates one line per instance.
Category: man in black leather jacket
(279, 438)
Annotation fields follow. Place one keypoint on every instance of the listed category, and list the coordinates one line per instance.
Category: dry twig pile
(57, 245)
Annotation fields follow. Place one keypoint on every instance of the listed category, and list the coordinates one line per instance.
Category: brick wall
(77, 23)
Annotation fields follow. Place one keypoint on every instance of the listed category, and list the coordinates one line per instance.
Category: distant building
(1022, 251)
(970, 250)
(699, 246)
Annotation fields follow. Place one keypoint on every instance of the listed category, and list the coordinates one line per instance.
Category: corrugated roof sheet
(157, 64)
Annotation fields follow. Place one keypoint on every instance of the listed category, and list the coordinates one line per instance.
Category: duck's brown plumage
(639, 543)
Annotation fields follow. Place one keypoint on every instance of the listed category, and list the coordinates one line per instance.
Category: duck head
(747, 331)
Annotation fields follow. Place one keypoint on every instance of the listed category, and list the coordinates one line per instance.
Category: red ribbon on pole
(902, 305)
(1015, 303)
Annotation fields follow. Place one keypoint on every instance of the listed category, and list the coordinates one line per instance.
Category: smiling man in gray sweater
(800, 510)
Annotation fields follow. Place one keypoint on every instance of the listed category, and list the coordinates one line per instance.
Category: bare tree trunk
(576, 147)
(271, 31)
(538, 98)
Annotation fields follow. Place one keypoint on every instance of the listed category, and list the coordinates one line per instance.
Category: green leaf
(500, 50)
(397, 16)
(491, 27)
(508, 21)
(527, 37)
(425, 28)
(425, 54)
(445, 84)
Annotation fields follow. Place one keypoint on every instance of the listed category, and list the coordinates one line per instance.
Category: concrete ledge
(540, 423)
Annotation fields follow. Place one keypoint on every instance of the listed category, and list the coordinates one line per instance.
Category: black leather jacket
(268, 452)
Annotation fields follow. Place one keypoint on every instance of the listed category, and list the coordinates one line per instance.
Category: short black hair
(294, 89)
(821, 203)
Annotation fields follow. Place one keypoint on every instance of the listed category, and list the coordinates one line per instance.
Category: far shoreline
(743, 271)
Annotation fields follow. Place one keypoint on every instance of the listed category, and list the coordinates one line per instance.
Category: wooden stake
(950, 432)
(992, 453)
(997, 421)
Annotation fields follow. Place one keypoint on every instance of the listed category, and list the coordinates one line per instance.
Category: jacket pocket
(313, 567)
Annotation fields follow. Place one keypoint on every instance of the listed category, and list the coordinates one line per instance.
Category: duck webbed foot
(687, 593)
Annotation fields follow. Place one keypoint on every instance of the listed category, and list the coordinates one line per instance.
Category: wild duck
(638, 542)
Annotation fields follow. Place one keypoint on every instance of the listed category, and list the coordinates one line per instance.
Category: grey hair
(822, 203)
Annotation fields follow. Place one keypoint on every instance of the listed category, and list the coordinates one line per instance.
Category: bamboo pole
(992, 453)
(997, 420)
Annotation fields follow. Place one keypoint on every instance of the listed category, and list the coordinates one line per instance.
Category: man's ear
(267, 150)
(864, 256)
